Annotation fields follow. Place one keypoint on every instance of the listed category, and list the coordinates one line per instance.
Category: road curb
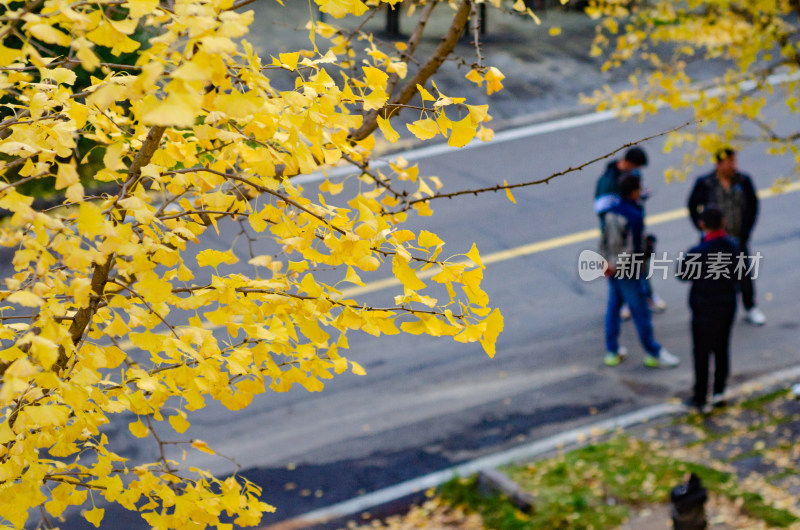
(572, 438)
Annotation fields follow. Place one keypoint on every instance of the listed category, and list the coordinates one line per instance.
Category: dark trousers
(747, 286)
(711, 332)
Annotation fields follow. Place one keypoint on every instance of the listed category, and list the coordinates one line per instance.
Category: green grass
(595, 486)
(757, 403)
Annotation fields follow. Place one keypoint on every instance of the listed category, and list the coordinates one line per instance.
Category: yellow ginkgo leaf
(494, 325)
(485, 134)
(388, 132)
(424, 94)
(424, 129)
(289, 60)
(429, 239)
(474, 76)
(139, 8)
(202, 446)
(173, 111)
(494, 78)
(25, 298)
(375, 99)
(67, 176)
(47, 33)
(179, 422)
(474, 256)
(138, 429)
(90, 219)
(375, 78)
(508, 193)
(213, 258)
(407, 276)
(357, 368)
(95, 516)
(463, 132)
(330, 187)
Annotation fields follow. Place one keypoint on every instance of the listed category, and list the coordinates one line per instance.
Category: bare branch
(149, 307)
(476, 33)
(409, 204)
(413, 42)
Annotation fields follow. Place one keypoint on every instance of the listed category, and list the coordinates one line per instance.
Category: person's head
(711, 218)
(634, 158)
(630, 187)
(726, 162)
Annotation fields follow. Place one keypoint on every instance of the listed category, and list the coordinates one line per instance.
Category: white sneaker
(614, 358)
(656, 304)
(719, 400)
(625, 312)
(755, 317)
(664, 360)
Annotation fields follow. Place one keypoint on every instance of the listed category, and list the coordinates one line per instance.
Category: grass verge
(596, 486)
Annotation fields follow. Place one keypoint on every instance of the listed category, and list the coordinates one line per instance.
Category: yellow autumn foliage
(118, 309)
(751, 44)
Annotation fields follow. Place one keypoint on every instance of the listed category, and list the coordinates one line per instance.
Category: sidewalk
(746, 455)
(544, 74)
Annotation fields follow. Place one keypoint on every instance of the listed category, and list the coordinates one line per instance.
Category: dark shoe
(694, 406)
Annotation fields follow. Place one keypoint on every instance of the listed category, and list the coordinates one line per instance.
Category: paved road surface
(426, 404)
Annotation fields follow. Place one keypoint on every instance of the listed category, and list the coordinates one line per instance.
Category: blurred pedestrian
(607, 195)
(711, 267)
(622, 244)
(734, 194)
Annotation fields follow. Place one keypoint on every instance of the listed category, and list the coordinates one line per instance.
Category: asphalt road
(426, 404)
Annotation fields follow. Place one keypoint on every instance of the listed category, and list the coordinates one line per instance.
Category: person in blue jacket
(711, 267)
(607, 195)
(734, 194)
(622, 244)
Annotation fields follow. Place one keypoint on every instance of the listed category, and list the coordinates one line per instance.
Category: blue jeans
(634, 293)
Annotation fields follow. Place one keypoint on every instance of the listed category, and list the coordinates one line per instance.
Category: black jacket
(701, 196)
(713, 260)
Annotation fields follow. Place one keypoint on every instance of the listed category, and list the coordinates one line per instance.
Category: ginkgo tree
(105, 316)
(755, 44)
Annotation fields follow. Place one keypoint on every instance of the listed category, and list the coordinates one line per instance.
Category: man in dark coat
(711, 267)
(734, 194)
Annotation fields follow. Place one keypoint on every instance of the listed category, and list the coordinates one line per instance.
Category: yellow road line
(552, 243)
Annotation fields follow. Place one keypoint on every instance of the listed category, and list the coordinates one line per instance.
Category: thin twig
(145, 302)
(409, 204)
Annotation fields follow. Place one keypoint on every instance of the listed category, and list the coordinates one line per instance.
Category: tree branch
(409, 204)
(100, 276)
(424, 72)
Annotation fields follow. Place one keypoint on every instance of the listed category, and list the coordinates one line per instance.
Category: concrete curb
(572, 438)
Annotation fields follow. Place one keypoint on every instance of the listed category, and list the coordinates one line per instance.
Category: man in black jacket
(711, 267)
(734, 194)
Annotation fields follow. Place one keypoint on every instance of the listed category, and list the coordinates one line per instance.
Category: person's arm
(697, 198)
(637, 233)
(611, 239)
(750, 213)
